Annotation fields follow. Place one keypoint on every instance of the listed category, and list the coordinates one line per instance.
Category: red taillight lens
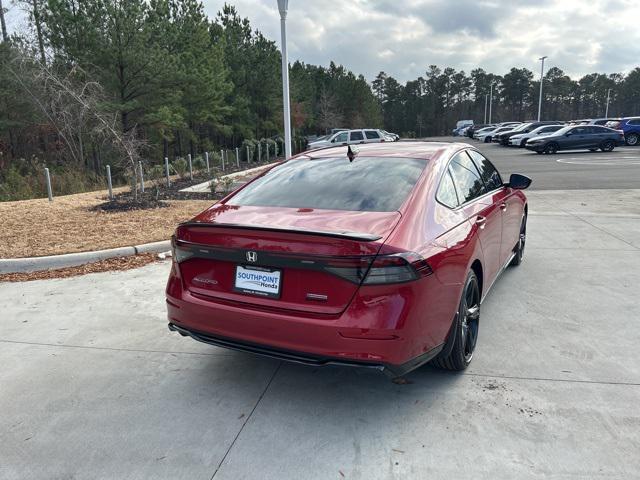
(397, 268)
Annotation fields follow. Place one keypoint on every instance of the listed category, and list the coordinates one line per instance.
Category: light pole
(3, 25)
(486, 100)
(282, 6)
(541, 81)
(606, 112)
(490, 101)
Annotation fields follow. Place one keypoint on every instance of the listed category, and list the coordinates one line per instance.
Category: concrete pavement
(94, 386)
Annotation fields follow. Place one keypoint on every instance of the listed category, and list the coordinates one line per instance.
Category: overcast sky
(403, 37)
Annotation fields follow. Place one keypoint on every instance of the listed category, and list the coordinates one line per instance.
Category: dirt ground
(33, 228)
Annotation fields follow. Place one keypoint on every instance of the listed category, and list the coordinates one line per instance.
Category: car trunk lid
(304, 260)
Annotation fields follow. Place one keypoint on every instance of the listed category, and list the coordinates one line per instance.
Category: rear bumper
(392, 330)
(305, 358)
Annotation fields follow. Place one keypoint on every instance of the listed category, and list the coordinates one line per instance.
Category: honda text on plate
(374, 258)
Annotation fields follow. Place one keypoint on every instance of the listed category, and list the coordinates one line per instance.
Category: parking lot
(570, 170)
(93, 385)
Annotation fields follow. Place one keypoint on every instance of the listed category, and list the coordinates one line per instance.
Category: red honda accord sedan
(378, 258)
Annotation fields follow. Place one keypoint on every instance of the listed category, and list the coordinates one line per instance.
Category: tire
(632, 139)
(539, 152)
(518, 250)
(464, 329)
(607, 146)
(487, 139)
(551, 148)
(523, 143)
(593, 149)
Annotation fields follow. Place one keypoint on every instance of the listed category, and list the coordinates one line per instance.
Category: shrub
(199, 164)
(180, 166)
(156, 173)
(252, 146)
(215, 160)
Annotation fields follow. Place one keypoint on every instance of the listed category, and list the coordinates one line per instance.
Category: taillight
(397, 268)
(178, 253)
(349, 268)
(383, 269)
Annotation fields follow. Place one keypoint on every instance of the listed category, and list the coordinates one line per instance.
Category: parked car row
(551, 136)
(353, 137)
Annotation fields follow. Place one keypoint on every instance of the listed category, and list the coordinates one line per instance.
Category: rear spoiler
(358, 236)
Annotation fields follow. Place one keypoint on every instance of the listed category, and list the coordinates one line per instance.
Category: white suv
(349, 137)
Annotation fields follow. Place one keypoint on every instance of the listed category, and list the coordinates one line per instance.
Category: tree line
(431, 104)
(159, 72)
(96, 82)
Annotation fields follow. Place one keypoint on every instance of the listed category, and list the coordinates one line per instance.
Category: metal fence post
(48, 178)
(141, 176)
(237, 158)
(222, 158)
(166, 167)
(109, 185)
(267, 152)
(259, 152)
(190, 167)
(248, 155)
(206, 158)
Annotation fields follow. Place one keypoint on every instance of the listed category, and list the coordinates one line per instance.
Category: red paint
(390, 323)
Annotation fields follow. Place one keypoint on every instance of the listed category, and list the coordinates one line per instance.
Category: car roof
(402, 149)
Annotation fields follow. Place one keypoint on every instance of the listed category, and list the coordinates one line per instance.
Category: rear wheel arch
(476, 266)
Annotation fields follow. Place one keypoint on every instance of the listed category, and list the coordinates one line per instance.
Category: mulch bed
(111, 264)
(156, 192)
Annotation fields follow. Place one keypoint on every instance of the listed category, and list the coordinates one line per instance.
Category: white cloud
(404, 37)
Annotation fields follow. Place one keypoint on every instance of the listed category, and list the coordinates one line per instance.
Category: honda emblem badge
(252, 257)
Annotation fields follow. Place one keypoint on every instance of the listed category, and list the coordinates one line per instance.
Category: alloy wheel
(607, 146)
(469, 318)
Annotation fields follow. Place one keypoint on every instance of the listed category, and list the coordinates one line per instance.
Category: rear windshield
(368, 184)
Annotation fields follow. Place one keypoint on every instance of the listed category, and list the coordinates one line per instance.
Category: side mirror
(568, 134)
(519, 182)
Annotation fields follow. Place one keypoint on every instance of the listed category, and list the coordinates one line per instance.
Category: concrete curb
(36, 264)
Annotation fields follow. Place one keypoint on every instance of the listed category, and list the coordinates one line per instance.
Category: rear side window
(342, 137)
(488, 172)
(371, 134)
(466, 178)
(356, 136)
(634, 122)
(447, 191)
(368, 184)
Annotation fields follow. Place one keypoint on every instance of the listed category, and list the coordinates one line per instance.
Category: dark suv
(588, 137)
(503, 138)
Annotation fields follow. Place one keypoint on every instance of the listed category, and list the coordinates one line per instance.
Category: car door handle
(503, 206)
(481, 221)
